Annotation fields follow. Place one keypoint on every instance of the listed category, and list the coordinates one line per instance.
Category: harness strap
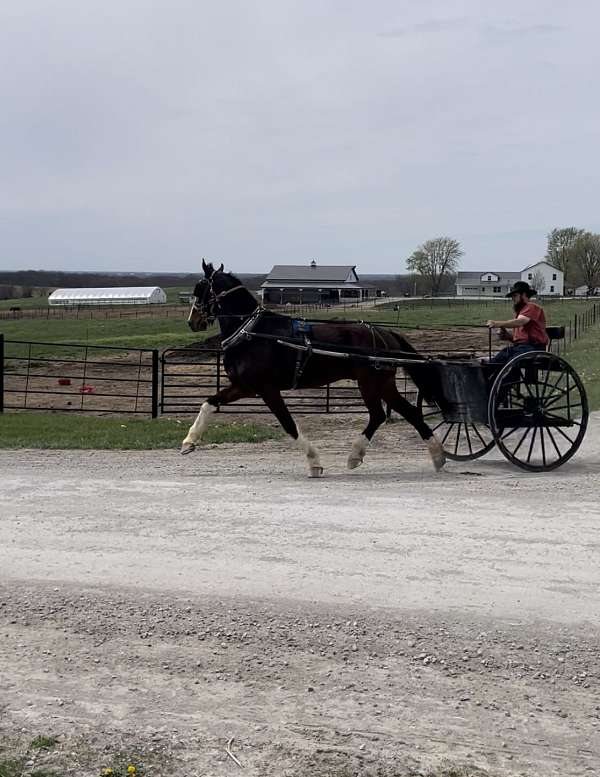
(245, 330)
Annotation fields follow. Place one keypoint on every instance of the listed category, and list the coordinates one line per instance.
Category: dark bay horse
(258, 364)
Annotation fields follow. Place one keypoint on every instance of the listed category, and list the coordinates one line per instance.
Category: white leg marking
(358, 452)
(436, 452)
(198, 428)
(314, 462)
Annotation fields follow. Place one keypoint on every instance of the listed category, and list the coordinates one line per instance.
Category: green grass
(63, 431)
(25, 303)
(124, 333)
(43, 742)
(12, 767)
(446, 313)
(584, 355)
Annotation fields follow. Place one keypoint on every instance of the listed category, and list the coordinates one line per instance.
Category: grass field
(64, 431)
(134, 333)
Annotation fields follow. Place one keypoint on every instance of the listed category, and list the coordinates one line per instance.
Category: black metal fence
(78, 378)
(189, 374)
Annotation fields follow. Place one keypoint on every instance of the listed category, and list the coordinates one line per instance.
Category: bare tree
(586, 258)
(559, 252)
(538, 281)
(435, 260)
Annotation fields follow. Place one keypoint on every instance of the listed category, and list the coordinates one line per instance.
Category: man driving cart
(526, 331)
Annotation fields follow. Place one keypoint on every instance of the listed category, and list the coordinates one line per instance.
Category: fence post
(218, 376)
(155, 383)
(327, 398)
(1, 373)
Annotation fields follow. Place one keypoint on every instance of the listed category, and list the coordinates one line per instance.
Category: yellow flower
(107, 772)
(131, 769)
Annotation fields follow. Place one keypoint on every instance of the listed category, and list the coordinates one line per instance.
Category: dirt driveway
(379, 622)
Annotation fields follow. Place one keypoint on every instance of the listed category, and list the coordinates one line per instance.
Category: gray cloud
(144, 135)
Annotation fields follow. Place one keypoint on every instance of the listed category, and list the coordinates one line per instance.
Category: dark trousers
(506, 354)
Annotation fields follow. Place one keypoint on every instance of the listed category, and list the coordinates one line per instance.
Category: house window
(553, 276)
(497, 289)
(483, 288)
(530, 277)
(489, 277)
(551, 288)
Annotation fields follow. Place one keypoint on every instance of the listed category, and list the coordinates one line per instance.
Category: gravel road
(381, 622)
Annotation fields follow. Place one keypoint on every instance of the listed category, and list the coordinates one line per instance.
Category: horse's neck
(235, 311)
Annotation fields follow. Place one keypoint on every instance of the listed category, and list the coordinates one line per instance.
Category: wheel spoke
(532, 444)
(447, 433)
(476, 430)
(563, 407)
(457, 439)
(468, 439)
(508, 434)
(521, 441)
(566, 436)
(556, 448)
(543, 446)
(561, 418)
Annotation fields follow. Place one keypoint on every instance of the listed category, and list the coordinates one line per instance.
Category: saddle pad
(301, 328)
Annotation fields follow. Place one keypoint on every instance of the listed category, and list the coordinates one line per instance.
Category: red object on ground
(64, 381)
(86, 389)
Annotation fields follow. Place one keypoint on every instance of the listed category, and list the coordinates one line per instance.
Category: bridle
(214, 298)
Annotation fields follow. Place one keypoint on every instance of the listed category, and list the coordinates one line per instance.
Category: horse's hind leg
(415, 418)
(197, 429)
(370, 389)
(274, 401)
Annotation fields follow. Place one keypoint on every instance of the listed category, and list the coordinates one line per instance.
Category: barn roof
(117, 292)
(313, 272)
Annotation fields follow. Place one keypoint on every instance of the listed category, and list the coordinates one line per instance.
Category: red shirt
(534, 331)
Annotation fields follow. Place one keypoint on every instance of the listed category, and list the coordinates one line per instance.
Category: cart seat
(555, 332)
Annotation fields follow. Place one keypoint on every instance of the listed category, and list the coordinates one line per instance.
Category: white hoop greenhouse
(124, 295)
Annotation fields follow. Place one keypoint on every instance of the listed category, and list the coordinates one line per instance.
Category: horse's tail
(420, 374)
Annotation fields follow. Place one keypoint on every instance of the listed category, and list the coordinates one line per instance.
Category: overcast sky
(140, 135)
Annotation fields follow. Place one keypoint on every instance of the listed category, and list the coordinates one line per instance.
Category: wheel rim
(461, 441)
(538, 411)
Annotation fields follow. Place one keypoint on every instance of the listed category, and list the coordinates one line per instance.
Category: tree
(586, 258)
(538, 281)
(436, 259)
(559, 252)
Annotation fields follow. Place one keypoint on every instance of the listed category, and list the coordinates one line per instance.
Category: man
(527, 328)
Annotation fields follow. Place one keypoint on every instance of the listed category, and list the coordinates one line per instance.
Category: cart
(534, 409)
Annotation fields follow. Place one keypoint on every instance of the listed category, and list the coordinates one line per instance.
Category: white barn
(120, 295)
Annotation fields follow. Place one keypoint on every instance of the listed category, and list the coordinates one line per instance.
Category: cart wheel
(538, 411)
(461, 441)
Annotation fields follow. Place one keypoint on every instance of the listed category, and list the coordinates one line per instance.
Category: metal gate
(189, 375)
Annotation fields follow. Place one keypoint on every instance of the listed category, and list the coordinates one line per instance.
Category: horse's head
(207, 295)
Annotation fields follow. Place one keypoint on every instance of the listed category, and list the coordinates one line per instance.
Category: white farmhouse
(546, 279)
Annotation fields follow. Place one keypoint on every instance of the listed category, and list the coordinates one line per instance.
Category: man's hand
(492, 324)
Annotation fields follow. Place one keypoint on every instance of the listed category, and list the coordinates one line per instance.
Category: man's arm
(514, 323)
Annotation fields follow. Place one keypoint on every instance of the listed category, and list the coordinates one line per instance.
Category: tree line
(574, 251)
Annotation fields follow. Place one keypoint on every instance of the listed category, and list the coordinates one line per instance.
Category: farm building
(548, 280)
(312, 283)
(123, 295)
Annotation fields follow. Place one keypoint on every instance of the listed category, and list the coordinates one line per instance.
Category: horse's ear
(221, 267)
(204, 268)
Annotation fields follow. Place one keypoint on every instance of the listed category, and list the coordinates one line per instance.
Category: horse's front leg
(274, 401)
(197, 429)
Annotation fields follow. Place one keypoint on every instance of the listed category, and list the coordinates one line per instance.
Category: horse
(266, 353)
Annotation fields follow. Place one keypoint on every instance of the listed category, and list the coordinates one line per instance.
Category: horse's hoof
(436, 451)
(354, 463)
(187, 447)
(315, 472)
